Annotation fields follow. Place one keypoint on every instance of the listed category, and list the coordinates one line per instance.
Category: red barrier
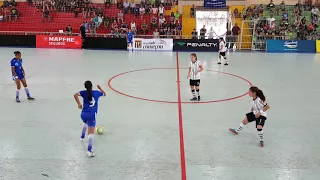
(66, 42)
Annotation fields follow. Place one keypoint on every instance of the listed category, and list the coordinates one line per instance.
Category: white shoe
(81, 139)
(90, 154)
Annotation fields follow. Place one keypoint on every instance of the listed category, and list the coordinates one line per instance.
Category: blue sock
(27, 91)
(84, 130)
(17, 93)
(90, 143)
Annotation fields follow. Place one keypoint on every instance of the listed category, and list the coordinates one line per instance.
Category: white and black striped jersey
(258, 105)
(222, 46)
(194, 68)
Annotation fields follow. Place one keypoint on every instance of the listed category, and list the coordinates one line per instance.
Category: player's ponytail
(258, 92)
(88, 86)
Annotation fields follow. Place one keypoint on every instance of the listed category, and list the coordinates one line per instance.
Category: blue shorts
(20, 77)
(89, 118)
(130, 42)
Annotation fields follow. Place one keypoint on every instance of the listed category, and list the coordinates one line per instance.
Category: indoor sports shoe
(233, 131)
(219, 63)
(198, 98)
(30, 98)
(193, 99)
(90, 154)
(226, 64)
(261, 144)
(18, 100)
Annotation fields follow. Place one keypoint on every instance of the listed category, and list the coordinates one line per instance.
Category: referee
(83, 35)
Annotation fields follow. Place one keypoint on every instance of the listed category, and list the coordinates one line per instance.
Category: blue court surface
(152, 131)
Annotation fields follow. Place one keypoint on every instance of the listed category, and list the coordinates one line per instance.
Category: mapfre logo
(59, 39)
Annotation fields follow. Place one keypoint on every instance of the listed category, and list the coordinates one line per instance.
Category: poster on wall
(215, 3)
(153, 44)
(302, 46)
(72, 42)
(215, 23)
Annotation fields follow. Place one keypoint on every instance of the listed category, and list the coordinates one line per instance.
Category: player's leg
(192, 84)
(259, 124)
(18, 85)
(223, 54)
(198, 88)
(84, 130)
(219, 62)
(91, 128)
(24, 83)
(250, 117)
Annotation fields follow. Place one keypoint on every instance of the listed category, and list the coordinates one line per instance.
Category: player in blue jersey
(18, 74)
(89, 111)
(130, 39)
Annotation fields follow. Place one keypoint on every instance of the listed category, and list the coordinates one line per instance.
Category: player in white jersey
(195, 69)
(258, 113)
(222, 51)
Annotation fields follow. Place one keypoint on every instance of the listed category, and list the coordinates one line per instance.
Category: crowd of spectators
(9, 11)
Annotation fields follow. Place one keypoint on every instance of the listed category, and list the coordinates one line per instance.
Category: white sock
(240, 127)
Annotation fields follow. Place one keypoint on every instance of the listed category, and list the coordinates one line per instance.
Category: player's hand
(79, 106)
(98, 86)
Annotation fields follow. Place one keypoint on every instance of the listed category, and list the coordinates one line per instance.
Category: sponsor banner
(318, 45)
(153, 44)
(72, 42)
(291, 46)
(196, 45)
(215, 3)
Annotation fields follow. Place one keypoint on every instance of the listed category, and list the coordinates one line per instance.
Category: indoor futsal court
(152, 130)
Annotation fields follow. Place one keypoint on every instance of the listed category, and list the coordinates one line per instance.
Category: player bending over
(258, 113)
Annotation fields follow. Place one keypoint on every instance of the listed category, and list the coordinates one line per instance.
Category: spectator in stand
(14, 14)
(133, 26)
(282, 6)
(114, 26)
(161, 10)
(296, 12)
(192, 11)
(29, 2)
(85, 11)
(235, 33)
(153, 21)
(249, 12)
(126, 6)
(86, 26)
(270, 19)
(91, 10)
(154, 10)
(285, 16)
(142, 11)
(299, 6)
(53, 5)
(119, 6)
(177, 16)
(229, 38)
(235, 13)
(261, 9)
(83, 34)
(99, 11)
(310, 28)
(132, 6)
(314, 11)
(179, 29)
(100, 20)
(69, 30)
(107, 3)
(76, 11)
(13, 3)
(5, 6)
(96, 21)
(172, 17)
(271, 5)
(106, 22)
(92, 26)
(162, 20)
(147, 8)
(173, 27)
(46, 14)
(124, 27)
(315, 21)
(244, 14)
(156, 34)
(1, 17)
(203, 32)
(120, 16)
(194, 34)
(144, 27)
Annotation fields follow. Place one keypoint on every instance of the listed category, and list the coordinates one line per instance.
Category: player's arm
(13, 69)
(76, 97)
(201, 68)
(266, 107)
(189, 71)
(100, 89)
(24, 73)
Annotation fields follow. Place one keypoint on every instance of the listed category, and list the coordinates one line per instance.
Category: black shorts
(222, 54)
(259, 121)
(195, 82)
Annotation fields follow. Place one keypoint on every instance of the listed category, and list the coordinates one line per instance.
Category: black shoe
(261, 144)
(198, 98)
(30, 98)
(193, 99)
(226, 64)
(17, 100)
(219, 63)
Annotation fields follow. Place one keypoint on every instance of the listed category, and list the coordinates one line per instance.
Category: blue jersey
(130, 37)
(17, 64)
(90, 106)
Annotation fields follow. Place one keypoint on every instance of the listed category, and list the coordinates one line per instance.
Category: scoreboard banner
(66, 42)
(152, 44)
